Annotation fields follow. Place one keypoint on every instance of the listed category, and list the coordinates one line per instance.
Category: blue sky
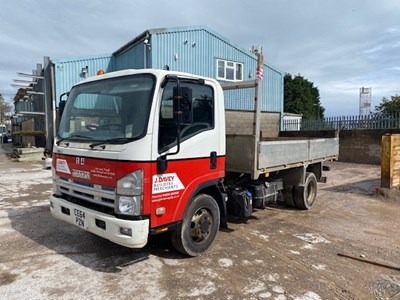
(339, 45)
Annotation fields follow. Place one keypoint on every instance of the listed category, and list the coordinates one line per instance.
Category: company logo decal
(62, 166)
(166, 183)
(81, 174)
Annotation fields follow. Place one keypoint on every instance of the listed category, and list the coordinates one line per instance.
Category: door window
(203, 114)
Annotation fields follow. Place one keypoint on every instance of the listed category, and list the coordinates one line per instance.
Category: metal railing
(372, 121)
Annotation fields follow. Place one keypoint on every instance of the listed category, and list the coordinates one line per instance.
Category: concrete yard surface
(347, 247)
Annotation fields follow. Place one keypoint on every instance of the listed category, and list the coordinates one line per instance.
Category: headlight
(131, 184)
(129, 194)
(129, 205)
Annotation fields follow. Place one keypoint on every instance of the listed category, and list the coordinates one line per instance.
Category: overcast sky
(340, 45)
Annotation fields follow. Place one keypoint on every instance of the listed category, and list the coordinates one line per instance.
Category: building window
(229, 70)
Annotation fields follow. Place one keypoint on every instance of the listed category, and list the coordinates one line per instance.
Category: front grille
(84, 192)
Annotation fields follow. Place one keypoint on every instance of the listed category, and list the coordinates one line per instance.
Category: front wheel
(199, 226)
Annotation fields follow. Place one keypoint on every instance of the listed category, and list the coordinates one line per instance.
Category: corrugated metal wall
(196, 51)
(133, 58)
(68, 71)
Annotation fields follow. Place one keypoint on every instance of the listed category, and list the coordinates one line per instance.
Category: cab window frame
(203, 97)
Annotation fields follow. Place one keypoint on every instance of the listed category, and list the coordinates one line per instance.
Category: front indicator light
(160, 211)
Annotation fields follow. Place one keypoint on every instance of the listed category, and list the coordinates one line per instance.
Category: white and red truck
(141, 152)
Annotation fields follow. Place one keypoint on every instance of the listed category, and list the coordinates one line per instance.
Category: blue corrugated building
(194, 49)
(69, 71)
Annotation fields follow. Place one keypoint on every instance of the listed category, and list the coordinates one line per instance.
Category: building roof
(147, 33)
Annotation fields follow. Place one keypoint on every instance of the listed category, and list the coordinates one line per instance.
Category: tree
(301, 97)
(389, 106)
(5, 109)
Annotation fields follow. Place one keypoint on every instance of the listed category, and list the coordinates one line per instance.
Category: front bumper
(103, 225)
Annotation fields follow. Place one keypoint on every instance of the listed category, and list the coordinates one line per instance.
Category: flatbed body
(245, 155)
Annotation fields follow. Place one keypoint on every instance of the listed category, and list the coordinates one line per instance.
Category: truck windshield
(115, 110)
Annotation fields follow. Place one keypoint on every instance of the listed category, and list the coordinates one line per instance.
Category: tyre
(198, 228)
(305, 196)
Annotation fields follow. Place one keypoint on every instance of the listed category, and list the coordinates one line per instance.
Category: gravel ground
(347, 247)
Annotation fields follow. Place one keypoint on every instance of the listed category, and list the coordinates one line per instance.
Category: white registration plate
(79, 218)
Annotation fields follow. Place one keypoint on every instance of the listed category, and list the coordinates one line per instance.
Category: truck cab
(140, 152)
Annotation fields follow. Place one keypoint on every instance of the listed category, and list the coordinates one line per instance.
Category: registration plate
(79, 218)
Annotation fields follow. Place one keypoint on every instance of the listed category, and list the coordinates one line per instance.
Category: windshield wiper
(74, 136)
(59, 141)
(111, 141)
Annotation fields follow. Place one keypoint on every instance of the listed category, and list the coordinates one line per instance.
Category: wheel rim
(201, 225)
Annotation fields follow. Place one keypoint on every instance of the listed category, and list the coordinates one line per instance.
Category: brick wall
(241, 122)
(362, 145)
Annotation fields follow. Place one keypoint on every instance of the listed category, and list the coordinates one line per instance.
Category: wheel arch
(316, 168)
(212, 189)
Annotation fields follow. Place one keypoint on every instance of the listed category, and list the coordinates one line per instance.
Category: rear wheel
(305, 196)
(199, 227)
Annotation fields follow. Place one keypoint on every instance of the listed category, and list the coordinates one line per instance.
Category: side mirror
(61, 107)
(62, 103)
(183, 111)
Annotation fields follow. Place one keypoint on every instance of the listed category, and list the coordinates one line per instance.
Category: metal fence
(372, 121)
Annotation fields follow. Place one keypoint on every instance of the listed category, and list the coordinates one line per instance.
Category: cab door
(189, 149)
